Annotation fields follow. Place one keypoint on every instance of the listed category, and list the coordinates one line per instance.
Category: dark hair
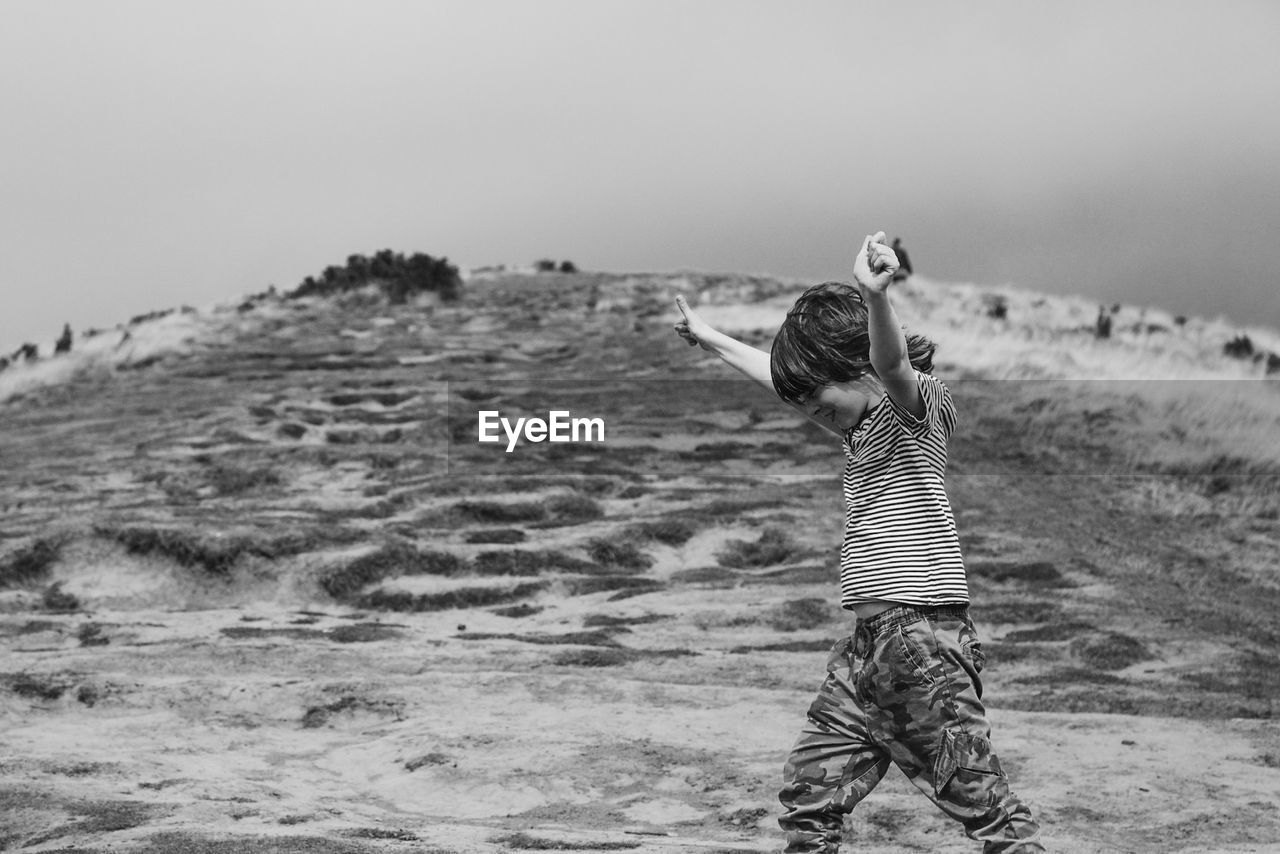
(824, 340)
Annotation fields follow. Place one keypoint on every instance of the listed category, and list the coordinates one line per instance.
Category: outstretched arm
(750, 361)
(873, 270)
(747, 360)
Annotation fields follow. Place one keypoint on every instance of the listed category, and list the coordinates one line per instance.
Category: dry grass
(672, 532)
(214, 554)
(526, 842)
(494, 512)
(30, 562)
(464, 597)
(393, 558)
(814, 645)
(596, 638)
(774, 546)
(800, 614)
(624, 586)
(1111, 651)
(1031, 611)
(1033, 572)
(1056, 631)
(498, 536)
(573, 509)
(618, 554)
(230, 479)
(716, 576)
(528, 562)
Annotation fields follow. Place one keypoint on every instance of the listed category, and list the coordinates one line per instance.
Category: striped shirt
(900, 538)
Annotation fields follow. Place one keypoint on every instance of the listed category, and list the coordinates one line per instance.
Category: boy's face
(844, 404)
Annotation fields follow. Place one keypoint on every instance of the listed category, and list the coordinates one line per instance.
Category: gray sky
(167, 153)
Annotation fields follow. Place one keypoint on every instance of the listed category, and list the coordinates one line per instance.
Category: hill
(264, 590)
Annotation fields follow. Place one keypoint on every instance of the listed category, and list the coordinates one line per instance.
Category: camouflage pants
(903, 688)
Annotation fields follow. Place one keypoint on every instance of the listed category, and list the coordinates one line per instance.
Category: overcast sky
(167, 153)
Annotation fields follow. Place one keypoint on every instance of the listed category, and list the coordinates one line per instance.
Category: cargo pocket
(967, 772)
(913, 658)
(973, 651)
(838, 655)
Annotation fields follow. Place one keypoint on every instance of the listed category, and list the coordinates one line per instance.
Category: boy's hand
(691, 328)
(875, 265)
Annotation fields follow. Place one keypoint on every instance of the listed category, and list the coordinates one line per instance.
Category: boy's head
(824, 340)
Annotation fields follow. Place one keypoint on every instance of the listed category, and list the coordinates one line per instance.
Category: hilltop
(260, 582)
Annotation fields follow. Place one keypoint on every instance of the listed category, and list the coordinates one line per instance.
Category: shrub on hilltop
(548, 265)
(399, 277)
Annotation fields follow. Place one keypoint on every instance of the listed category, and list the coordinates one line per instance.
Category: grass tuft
(1016, 612)
(217, 554)
(1112, 651)
(595, 657)
(596, 638)
(524, 842)
(528, 562)
(618, 554)
(625, 585)
(363, 633)
(1065, 630)
(497, 536)
(774, 546)
(998, 651)
(214, 555)
(1072, 676)
(815, 645)
(229, 479)
(799, 614)
(524, 609)
(716, 576)
(573, 509)
(1037, 572)
(493, 512)
(672, 532)
(394, 558)
(31, 562)
(40, 686)
(611, 621)
(464, 597)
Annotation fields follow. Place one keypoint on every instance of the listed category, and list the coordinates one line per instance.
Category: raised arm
(751, 362)
(873, 270)
(747, 360)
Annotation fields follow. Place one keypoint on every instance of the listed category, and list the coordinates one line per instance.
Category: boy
(904, 687)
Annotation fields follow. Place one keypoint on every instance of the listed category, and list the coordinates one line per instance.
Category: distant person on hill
(1102, 326)
(904, 263)
(904, 687)
(64, 342)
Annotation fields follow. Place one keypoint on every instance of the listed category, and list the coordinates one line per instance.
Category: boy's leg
(936, 729)
(833, 764)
